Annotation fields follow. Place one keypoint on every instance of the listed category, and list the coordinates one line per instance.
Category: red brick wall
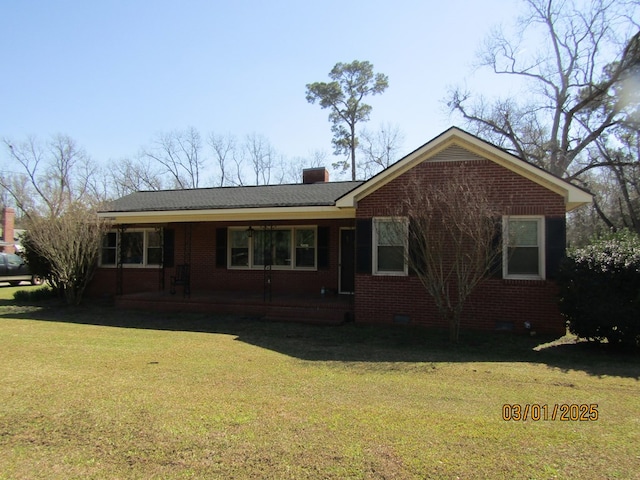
(510, 192)
(379, 298)
(496, 302)
(135, 280)
(206, 276)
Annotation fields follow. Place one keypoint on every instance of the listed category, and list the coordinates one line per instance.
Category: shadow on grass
(350, 342)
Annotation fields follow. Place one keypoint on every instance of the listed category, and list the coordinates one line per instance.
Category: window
(14, 261)
(272, 247)
(137, 248)
(132, 248)
(305, 248)
(280, 247)
(389, 246)
(108, 254)
(239, 244)
(523, 252)
(154, 247)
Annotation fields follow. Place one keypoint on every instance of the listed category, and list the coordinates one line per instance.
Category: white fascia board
(226, 215)
(574, 196)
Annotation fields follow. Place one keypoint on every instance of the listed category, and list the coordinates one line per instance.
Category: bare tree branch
(452, 238)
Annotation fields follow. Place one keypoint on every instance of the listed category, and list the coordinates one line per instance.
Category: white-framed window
(281, 247)
(138, 247)
(239, 248)
(523, 247)
(305, 248)
(390, 238)
(109, 248)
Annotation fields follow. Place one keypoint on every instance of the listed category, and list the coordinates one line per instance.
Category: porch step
(325, 311)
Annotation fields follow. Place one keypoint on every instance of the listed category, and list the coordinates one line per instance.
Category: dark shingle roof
(297, 195)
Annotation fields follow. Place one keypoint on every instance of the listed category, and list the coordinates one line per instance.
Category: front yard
(99, 393)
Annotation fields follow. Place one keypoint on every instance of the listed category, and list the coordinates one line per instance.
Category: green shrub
(31, 295)
(600, 289)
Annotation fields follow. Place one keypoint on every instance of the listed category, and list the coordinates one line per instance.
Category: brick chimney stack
(8, 218)
(315, 175)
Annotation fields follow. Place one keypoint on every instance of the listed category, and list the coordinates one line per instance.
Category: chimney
(315, 175)
(8, 217)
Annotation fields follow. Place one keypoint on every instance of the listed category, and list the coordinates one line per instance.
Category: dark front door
(347, 260)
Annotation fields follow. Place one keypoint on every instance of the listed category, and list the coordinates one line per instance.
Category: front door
(347, 260)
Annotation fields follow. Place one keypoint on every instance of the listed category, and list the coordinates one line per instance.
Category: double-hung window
(305, 246)
(272, 247)
(523, 247)
(136, 248)
(281, 248)
(109, 249)
(390, 246)
(239, 245)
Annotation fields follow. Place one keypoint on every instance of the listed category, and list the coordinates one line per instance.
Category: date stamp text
(537, 412)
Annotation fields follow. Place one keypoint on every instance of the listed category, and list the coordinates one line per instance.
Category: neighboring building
(7, 240)
(305, 240)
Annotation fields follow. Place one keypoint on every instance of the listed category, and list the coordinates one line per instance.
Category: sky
(114, 74)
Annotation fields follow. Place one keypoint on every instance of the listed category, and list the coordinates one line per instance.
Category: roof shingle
(263, 196)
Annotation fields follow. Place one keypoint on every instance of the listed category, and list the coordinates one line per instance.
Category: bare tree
(290, 170)
(261, 157)
(553, 121)
(179, 154)
(618, 199)
(129, 176)
(68, 245)
(98, 182)
(380, 148)
(49, 176)
(224, 152)
(58, 189)
(452, 231)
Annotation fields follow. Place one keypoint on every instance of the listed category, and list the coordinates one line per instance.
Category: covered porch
(328, 309)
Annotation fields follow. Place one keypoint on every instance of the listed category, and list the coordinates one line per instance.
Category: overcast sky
(113, 74)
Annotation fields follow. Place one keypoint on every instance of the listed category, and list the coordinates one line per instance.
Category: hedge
(600, 289)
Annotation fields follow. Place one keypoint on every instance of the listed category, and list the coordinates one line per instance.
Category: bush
(600, 289)
(38, 265)
(43, 293)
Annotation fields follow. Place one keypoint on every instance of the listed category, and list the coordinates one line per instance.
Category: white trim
(292, 266)
(145, 248)
(541, 247)
(574, 196)
(374, 246)
(230, 214)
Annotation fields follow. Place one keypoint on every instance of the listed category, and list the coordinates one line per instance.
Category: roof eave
(229, 214)
(574, 196)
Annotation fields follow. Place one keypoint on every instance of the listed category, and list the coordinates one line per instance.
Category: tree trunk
(454, 327)
(353, 152)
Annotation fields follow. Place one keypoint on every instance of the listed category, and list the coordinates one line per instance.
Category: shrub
(68, 247)
(600, 289)
(38, 265)
(43, 293)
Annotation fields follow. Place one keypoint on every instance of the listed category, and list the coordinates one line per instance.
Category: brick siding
(206, 276)
(496, 303)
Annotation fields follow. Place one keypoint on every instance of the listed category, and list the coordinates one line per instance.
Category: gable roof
(264, 201)
(321, 200)
(473, 147)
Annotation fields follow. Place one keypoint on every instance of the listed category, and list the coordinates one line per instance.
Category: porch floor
(307, 308)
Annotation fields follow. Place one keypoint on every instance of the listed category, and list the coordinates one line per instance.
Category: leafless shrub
(453, 238)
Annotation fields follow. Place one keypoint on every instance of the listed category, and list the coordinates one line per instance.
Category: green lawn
(98, 393)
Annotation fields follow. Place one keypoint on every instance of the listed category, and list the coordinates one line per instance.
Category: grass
(92, 392)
